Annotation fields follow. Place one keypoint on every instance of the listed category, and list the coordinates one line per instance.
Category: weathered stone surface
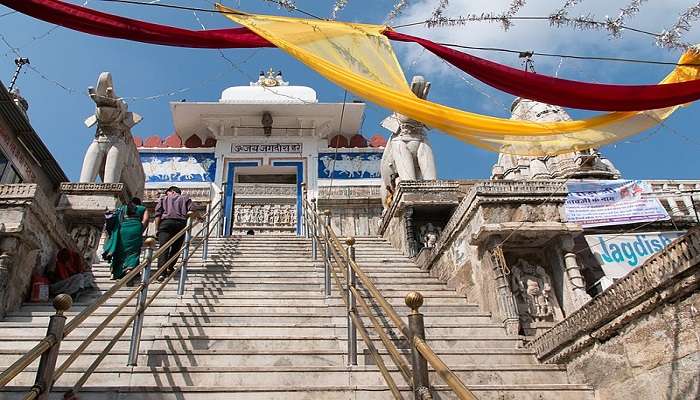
(656, 357)
(30, 236)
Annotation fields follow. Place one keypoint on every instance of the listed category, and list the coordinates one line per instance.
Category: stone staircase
(254, 324)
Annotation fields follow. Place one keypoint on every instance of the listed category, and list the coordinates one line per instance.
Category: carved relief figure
(265, 215)
(532, 288)
(429, 235)
(408, 153)
(86, 239)
(112, 154)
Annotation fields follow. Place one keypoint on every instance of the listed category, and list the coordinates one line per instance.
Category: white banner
(600, 203)
(618, 254)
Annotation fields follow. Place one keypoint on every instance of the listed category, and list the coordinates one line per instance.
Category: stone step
(310, 278)
(163, 358)
(194, 318)
(363, 392)
(295, 376)
(242, 298)
(184, 341)
(271, 285)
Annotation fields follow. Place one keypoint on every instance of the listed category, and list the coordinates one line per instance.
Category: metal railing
(48, 348)
(340, 266)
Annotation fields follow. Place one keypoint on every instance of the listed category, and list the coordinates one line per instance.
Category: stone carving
(265, 190)
(429, 235)
(112, 154)
(581, 164)
(532, 287)
(408, 153)
(265, 215)
(86, 238)
(196, 194)
(348, 192)
(663, 278)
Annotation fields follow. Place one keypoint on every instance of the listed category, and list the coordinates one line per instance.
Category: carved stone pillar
(410, 232)
(4, 277)
(573, 273)
(506, 303)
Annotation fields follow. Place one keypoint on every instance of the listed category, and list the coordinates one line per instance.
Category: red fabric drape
(102, 24)
(561, 92)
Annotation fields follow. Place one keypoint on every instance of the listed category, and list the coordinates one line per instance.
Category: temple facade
(259, 147)
(583, 297)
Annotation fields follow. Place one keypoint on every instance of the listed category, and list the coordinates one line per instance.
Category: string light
(437, 13)
(338, 7)
(396, 10)
(671, 38)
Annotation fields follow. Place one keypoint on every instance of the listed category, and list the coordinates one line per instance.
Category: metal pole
(327, 256)
(421, 382)
(150, 244)
(185, 255)
(44, 375)
(305, 222)
(314, 230)
(352, 309)
(220, 222)
(205, 245)
(19, 62)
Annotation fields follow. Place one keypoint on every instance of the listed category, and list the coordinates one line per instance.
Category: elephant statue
(408, 155)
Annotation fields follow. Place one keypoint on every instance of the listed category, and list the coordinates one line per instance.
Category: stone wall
(30, 236)
(497, 229)
(639, 338)
(355, 210)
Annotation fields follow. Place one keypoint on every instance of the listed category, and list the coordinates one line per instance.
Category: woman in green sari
(124, 244)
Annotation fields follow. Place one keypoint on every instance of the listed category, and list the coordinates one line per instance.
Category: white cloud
(540, 36)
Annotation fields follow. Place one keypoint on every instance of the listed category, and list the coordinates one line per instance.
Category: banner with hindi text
(618, 202)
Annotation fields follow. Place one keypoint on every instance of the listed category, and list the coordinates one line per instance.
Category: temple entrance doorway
(265, 200)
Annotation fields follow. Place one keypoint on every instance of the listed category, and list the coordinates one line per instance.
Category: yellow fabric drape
(359, 58)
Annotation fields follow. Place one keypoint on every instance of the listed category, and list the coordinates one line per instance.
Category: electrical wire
(340, 133)
(208, 10)
(594, 58)
(495, 49)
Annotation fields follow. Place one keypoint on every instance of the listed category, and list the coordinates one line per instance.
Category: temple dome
(270, 88)
(268, 95)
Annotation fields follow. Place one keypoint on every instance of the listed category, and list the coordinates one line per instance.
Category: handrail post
(205, 245)
(150, 244)
(314, 233)
(185, 254)
(416, 327)
(327, 256)
(305, 222)
(44, 375)
(220, 221)
(352, 307)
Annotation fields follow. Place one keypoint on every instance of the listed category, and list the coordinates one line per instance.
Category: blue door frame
(228, 195)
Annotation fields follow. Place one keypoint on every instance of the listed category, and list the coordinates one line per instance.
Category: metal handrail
(50, 342)
(325, 233)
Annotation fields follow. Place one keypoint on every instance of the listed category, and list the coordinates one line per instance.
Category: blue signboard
(179, 167)
(349, 165)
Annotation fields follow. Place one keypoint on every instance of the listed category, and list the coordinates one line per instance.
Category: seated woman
(124, 244)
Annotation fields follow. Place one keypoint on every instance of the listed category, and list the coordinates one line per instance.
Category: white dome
(268, 95)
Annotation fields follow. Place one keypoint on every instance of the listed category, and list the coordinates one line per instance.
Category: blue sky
(140, 70)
